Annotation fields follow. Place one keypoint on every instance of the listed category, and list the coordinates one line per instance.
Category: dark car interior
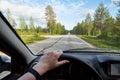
(84, 65)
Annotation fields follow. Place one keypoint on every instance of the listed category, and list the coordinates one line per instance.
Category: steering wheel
(75, 70)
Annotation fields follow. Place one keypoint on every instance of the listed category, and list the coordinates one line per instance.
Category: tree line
(103, 25)
(52, 26)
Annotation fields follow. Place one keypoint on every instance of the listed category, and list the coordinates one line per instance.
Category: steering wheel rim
(74, 58)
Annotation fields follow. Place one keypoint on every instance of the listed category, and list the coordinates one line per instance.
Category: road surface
(63, 42)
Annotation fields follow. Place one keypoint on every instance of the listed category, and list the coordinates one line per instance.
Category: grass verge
(31, 38)
(101, 43)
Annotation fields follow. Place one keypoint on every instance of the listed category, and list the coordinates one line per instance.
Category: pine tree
(101, 14)
(89, 24)
(31, 25)
(10, 19)
(23, 25)
(50, 18)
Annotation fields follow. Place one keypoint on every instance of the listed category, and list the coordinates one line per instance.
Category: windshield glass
(48, 25)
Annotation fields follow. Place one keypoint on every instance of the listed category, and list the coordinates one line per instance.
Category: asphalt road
(54, 43)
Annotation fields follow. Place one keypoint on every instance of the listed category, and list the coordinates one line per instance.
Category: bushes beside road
(30, 36)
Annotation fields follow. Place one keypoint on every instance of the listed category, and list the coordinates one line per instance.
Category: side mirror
(5, 63)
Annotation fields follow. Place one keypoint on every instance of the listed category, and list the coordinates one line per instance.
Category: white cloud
(75, 8)
(53, 1)
(115, 0)
(111, 4)
(25, 10)
(37, 10)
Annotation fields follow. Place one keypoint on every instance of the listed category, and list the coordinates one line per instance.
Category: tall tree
(38, 29)
(23, 25)
(9, 15)
(83, 29)
(10, 19)
(101, 14)
(63, 29)
(117, 23)
(89, 24)
(59, 28)
(76, 29)
(108, 29)
(31, 24)
(80, 28)
(50, 18)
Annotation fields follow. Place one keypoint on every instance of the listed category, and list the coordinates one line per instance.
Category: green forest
(103, 25)
(103, 30)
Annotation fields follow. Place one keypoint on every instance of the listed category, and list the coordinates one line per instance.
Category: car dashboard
(87, 66)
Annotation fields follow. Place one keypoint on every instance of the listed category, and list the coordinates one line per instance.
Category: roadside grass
(101, 43)
(31, 38)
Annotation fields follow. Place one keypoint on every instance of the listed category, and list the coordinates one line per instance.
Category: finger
(62, 62)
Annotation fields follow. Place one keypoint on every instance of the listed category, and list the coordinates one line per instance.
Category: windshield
(52, 25)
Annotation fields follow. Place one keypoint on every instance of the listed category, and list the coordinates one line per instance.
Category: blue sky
(68, 12)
